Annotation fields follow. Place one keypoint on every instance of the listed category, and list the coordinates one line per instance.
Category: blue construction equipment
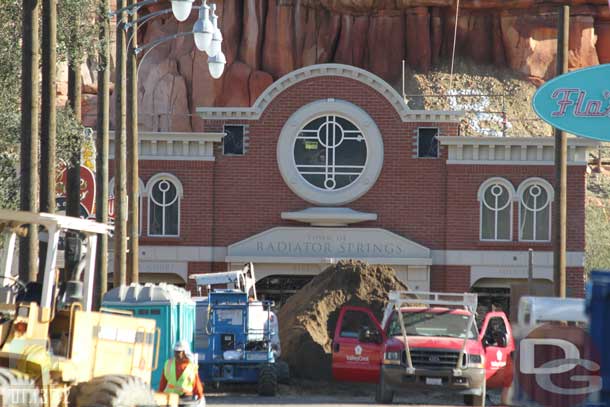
(171, 307)
(236, 335)
(598, 309)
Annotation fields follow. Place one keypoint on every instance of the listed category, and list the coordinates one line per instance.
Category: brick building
(329, 163)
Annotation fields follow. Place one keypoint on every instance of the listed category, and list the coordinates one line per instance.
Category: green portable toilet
(171, 307)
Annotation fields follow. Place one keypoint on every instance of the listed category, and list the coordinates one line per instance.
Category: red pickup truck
(443, 349)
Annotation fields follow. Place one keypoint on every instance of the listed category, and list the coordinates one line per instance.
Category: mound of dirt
(308, 318)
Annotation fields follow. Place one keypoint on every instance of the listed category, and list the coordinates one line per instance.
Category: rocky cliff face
(265, 39)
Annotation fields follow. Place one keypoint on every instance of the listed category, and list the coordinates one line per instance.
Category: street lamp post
(208, 38)
(132, 155)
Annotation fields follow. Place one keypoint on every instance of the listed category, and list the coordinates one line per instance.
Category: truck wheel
(17, 391)
(283, 372)
(472, 400)
(112, 390)
(267, 381)
(383, 395)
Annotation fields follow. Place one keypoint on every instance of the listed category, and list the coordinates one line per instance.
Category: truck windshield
(426, 323)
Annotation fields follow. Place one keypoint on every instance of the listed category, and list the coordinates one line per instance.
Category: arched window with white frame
(164, 195)
(535, 198)
(496, 197)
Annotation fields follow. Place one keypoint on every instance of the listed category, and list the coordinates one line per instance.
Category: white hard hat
(182, 346)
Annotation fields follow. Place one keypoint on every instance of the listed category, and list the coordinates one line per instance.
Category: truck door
(357, 346)
(497, 339)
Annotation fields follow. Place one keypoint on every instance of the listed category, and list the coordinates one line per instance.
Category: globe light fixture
(216, 44)
(182, 9)
(203, 29)
(216, 64)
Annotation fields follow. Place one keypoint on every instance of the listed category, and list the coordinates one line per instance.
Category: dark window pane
(330, 152)
(488, 226)
(542, 224)
(315, 124)
(155, 219)
(353, 322)
(233, 141)
(527, 224)
(171, 219)
(427, 143)
(504, 224)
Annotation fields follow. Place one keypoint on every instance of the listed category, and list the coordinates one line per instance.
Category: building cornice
(314, 71)
(175, 146)
(329, 216)
(513, 150)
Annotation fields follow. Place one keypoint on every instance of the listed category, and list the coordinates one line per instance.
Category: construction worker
(181, 376)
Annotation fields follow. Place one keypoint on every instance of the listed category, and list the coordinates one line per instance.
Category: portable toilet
(171, 307)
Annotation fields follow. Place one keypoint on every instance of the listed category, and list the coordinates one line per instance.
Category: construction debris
(308, 318)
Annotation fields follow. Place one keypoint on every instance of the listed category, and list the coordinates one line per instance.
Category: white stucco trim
(165, 176)
(473, 258)
(513, 150)
(535, 180)
(314, 71)
(374, 147)
(508, 258)
(329, 216)
(509, 273)
(330, 260)
(496, 180)
(174, 146)
(183, 253)
(142, 191)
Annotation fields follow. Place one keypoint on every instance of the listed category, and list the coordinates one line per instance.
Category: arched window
(496, 197)
(535, 197)
(164, 194)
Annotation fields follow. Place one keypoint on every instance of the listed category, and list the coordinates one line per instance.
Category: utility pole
(132, 154)
(73, 244)
(30, 144)
(48, 118)
(101, 144)
(120, 154)
(74, 97)
(561, 166)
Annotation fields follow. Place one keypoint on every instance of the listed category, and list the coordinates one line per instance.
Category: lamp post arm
(145, 19)
(132, 8)
(151, 45)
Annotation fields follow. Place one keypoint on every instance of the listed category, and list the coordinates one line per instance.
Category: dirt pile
(308, 318)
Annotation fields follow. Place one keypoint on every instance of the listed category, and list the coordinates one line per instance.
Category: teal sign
(577, 102)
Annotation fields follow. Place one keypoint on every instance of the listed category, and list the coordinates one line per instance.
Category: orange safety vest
(182, 385)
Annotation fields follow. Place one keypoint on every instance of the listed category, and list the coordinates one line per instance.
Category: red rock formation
(259, 81)
(265, 39)
(236, 89)
(417, 40)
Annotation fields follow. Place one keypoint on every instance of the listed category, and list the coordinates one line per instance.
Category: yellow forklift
(56, 351)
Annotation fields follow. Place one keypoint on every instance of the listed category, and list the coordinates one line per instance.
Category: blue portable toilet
(598, 308)
(171, 307)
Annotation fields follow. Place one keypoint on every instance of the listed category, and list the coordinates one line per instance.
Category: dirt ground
(333, 393)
